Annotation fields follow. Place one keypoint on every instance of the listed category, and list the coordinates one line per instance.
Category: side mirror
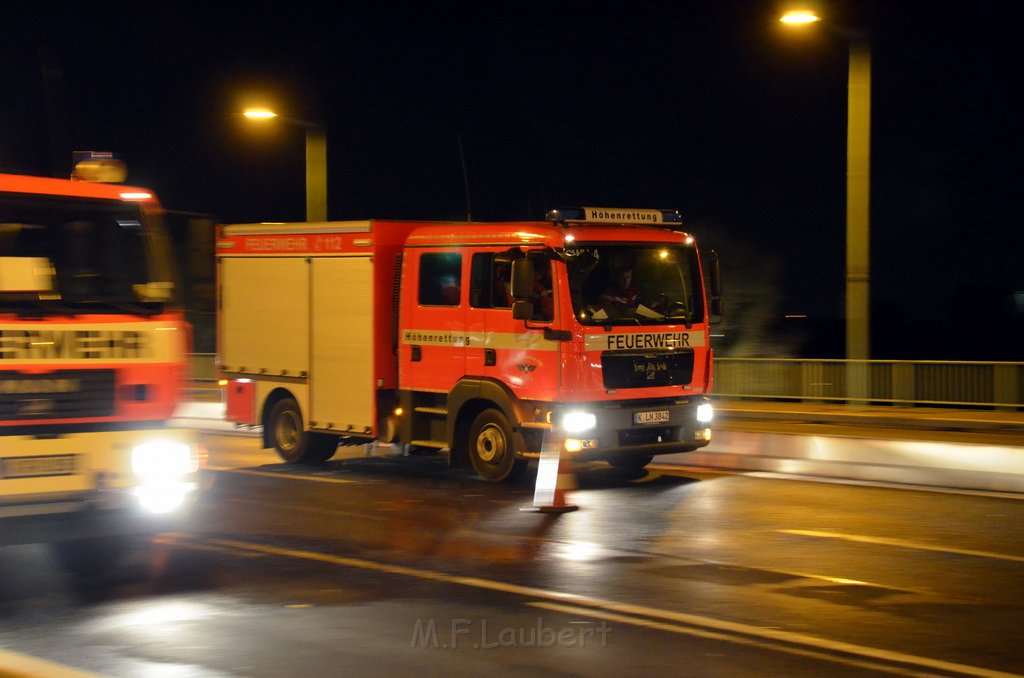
(522, 279)
(716, 308)
(522, 310)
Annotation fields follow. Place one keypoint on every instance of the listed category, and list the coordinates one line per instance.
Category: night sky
(711, 108)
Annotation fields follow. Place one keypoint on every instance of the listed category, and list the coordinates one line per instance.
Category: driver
(621, 292)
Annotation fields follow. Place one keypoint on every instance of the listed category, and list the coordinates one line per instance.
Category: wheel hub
(287, 432)
(490, 445)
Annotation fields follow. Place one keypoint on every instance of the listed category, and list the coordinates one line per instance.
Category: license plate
(39, 467)
(652, 417)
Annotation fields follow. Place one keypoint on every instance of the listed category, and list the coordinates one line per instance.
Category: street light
(858, 179)
(316, 161)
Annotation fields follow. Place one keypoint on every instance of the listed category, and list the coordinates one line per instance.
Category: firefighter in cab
(621, 293)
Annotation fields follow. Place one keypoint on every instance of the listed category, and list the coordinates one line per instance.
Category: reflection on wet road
(386, 566)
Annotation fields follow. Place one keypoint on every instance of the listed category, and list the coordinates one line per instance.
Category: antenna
(465, 179)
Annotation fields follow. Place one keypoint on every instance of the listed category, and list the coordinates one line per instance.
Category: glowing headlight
(578, 422)
(162, 459)
(705, 413)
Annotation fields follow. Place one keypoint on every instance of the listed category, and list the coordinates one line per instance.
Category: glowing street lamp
(858, 156)
(799, 16)
(259, 114)
(316, 161)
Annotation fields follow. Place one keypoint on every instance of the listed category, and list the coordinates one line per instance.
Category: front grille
(648, 436)
(64, 394)
(639, 370)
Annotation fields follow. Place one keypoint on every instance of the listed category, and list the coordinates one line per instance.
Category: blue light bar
(614, 215)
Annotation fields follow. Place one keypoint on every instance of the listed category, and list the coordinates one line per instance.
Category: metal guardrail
(893, 382)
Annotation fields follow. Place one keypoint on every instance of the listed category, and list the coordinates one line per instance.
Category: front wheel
(92, 557)
(492, 448)
(292, 442)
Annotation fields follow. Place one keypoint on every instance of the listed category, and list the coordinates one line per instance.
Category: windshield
(635, 284)
(97, 255)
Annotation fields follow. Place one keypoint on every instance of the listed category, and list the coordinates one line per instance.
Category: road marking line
(177, 539)
(885, 484)
(788, 637)
(724, 637)
(17, 665)
(275, 474)
(902, 543)
(685, 471)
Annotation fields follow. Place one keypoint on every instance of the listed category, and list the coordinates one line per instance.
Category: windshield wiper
(685, 319)
(37, 308)
(127, 307)
(26, 306)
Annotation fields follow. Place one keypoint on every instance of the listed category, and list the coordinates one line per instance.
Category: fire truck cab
(93, 361)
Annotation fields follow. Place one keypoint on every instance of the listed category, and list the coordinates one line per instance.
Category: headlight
(578, 422)
(705, 413)
(163, 460)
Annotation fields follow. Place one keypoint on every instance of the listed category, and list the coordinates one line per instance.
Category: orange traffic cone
(555, 477)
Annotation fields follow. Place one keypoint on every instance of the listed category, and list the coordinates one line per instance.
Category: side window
(501, 281)
(440, 282)
(492, 282)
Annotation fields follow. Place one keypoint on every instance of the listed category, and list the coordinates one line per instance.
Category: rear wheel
(492, 448)
(290, 439)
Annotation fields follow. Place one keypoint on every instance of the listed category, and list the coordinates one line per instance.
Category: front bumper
(98, 484)
(89, 517)
(641, 428)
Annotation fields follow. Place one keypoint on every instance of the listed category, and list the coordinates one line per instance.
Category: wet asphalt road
(386, 566)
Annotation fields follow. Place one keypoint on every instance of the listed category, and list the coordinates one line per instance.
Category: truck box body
(312, 302)
(405, 332)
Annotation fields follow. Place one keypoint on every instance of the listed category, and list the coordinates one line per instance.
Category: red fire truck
(473, 339)
(93, 358)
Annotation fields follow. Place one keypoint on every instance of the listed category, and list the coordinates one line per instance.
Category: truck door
(341, 343)
(433, 336)
(508, 350)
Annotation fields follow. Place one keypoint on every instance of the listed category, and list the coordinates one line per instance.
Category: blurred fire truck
(93, 358)
(475, 340)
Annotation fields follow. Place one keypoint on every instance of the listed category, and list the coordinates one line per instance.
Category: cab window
(492, 281)
(440, 282)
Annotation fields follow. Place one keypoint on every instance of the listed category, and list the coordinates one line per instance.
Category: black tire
(291, 441)
(630, 462)
(94, 557)
(322, 447)
(492, 448)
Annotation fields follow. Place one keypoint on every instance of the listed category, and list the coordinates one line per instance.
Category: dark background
(711, 108)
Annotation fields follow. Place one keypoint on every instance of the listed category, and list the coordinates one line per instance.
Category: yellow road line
(275, 474)
(17, 665)
(902, 543)
(759, 632)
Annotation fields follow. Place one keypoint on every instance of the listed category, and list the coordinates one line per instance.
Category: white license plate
(652, 417)
(39, 467)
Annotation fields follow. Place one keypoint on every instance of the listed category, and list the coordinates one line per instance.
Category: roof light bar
(614, 215)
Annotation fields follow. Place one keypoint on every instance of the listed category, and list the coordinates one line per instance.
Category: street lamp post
(316, 173)
(858, 189)
(316, 161)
